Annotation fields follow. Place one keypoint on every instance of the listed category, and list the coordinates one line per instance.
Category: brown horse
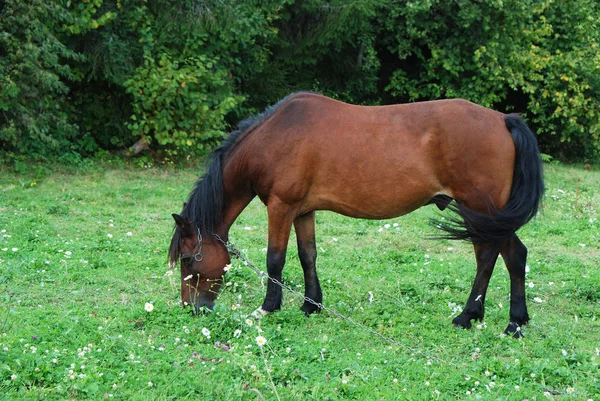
(309, 152)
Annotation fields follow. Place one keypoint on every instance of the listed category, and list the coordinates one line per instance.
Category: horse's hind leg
(486, 255)
(307, 251)
(514, 254)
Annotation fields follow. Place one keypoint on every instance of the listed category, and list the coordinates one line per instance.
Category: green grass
(82, 252)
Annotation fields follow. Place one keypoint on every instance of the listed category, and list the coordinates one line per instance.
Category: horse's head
(202, 259)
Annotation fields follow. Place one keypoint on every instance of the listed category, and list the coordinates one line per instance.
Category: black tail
(525, 195)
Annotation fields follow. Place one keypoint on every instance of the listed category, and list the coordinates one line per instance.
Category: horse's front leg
(514, 254)
(307, 251)
(486, 255)
(281, 217)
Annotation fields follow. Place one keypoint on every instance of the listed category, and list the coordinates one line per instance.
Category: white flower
(129, 233)
(109, 235)
(564, 352)
(206, 332)
(150, 384)
(68, 253)
(237, 333)
(227, 267)
(260, 340)
(15, 249)
(538, 300)
(186, 278)
(148, 307)
(13, 377)
(530, 285)
(249, 322)
(169, 273)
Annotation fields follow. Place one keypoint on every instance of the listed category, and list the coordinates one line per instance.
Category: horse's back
(382, 161)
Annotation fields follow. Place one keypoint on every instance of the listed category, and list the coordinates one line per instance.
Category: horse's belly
(374, 201)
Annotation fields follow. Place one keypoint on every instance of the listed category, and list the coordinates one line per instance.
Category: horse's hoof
(461, 321)
(514, 329)
(309, 309)
(259, 313)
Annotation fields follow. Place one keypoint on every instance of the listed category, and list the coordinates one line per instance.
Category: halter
(198, 256)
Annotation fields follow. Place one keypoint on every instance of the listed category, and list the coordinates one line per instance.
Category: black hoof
(462, 321)
(309, 309)
(514, 329)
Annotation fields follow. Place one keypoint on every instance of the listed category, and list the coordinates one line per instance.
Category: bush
(33, 64)
(182, 103)
(85, 77)
(536, 58)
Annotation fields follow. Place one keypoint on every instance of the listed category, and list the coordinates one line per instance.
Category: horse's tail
(525, 195)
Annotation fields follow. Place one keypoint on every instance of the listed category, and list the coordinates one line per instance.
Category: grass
(82, 252)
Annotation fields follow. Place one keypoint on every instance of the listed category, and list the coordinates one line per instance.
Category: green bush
(90, 77)
(180, 103)
(33, 64)
(537, 58)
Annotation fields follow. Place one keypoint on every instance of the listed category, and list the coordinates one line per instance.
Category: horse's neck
(236, 196)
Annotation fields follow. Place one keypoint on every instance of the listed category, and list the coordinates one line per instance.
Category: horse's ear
(186, 227)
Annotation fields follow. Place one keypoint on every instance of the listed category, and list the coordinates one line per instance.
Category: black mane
(204, 206)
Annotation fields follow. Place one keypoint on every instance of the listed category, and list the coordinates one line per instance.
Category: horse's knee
(275, 262)
(307, 254)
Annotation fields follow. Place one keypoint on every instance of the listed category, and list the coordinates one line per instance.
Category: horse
(309, 152)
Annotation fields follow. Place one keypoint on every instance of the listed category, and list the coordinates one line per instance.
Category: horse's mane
(204, 206)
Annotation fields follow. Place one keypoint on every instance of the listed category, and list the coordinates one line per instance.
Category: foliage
(180, 103)
(326, 46)
(32, 66)
(76, 272)
(537, 58)
(184, 89)
(102, 75)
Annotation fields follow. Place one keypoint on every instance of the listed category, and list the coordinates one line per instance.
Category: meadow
(89, 308)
